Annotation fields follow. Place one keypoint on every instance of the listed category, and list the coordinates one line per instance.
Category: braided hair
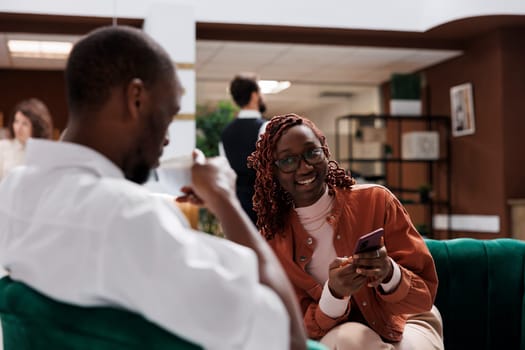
(270, 201)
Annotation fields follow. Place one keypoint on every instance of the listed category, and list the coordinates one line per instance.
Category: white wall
(173, 27)
(410, 15)
(366, 102)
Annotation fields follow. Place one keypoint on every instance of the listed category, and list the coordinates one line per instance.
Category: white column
(173, 26)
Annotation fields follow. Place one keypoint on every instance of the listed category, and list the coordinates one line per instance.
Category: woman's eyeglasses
(291, 163)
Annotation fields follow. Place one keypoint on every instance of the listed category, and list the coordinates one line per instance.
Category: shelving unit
(403, 176)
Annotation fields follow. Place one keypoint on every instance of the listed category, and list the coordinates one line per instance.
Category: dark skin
(306, 185)
(118, 128)
(130, 130)
(348, 275)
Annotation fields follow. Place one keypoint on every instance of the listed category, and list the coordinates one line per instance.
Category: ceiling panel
(315, 54)
(312, 69)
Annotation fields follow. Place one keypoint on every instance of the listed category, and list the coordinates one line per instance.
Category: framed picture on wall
(462, 110)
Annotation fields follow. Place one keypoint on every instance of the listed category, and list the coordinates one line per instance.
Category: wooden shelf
(434, 167)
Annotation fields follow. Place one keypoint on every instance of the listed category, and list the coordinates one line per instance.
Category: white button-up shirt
(73, 228)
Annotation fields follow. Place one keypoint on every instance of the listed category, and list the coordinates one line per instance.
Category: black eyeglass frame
(298, 157)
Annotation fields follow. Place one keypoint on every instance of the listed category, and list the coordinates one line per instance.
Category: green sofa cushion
(481, 292)
(32, 321)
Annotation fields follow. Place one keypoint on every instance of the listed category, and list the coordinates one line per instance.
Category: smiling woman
(312, 215)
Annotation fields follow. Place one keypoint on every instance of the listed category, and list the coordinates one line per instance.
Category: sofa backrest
(481, 292)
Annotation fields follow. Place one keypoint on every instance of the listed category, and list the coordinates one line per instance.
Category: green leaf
(210, 122)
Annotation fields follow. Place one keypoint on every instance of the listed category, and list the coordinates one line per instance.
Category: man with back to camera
(239, 136)
(76, 226)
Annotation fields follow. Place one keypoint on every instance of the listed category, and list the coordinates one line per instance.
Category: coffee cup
(175, 172)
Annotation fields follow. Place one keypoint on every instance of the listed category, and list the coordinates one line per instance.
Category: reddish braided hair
(271, 202)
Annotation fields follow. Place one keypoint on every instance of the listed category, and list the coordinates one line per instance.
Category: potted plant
(209, 125)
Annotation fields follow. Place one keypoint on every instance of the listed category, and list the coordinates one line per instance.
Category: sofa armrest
(481, 292)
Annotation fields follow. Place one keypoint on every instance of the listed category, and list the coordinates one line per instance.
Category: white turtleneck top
(314, 221)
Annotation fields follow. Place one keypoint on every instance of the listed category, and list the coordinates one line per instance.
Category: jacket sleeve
(317, 323)
(418, 286)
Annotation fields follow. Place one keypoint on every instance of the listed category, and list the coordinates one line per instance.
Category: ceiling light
(273, 86)
(39, 49)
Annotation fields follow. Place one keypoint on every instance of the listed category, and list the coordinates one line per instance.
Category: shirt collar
(53, 154)
(249, 114)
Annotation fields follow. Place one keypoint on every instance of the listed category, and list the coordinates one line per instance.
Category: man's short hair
(242, 87)
(110, 57)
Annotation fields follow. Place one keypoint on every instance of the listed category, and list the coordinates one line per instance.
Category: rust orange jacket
(356, 212)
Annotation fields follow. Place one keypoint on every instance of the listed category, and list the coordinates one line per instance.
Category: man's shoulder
(100, 195)
(122, 191)
(243, 124)
(246, 121)
(123, 205)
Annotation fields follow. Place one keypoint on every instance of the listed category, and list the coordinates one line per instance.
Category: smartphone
(370, 241)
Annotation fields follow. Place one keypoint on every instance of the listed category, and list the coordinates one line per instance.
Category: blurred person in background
(239, 136)
(30, 119)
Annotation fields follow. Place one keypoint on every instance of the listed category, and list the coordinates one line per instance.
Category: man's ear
(135, 97)
(254, 98)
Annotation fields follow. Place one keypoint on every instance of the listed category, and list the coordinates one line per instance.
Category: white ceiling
(7, 61)
(312, 69)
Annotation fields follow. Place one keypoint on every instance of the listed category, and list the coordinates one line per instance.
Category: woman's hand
(343, 279)
(375, 265)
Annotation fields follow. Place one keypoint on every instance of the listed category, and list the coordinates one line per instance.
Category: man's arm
(214, 184)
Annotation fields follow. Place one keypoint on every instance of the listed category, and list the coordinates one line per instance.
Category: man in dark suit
(239, 137)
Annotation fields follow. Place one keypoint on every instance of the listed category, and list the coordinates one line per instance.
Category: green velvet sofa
(31, 321)
(480, 297)
(481, 292)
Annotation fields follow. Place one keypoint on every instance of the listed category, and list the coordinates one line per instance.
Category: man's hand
(212, 180)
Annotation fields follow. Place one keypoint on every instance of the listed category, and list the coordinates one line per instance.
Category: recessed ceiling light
(39, 49)
(273, 86)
